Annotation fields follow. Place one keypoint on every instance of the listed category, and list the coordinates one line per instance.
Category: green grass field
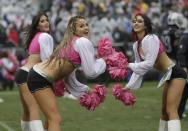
(110, 116)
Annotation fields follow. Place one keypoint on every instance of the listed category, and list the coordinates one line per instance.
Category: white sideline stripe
(6, 126)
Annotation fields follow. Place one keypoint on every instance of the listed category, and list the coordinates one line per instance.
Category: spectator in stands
(12, 36)
(3, 36)
(8, 66)
(150, 52)
(39, 44)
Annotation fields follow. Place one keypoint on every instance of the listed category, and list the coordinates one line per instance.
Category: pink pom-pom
(116, 91)
(101, 91)
(117, 65)
(59, 88)
(117, 73)
(127, 98)
(85, 100)
(95, 101)
(123, 95)
(104, 47)
(91, 100)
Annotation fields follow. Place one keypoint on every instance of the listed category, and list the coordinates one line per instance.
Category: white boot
(163, 125)
(174, 125)
(36, 125)
(25, 125)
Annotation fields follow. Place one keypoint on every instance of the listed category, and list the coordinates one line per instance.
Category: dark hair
(31, 30)
(147, 24)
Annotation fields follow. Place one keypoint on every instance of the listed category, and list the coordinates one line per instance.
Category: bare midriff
(163, 62)
(57, 68)
(32, 60)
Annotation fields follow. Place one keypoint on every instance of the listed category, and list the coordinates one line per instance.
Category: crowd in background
(107, 18)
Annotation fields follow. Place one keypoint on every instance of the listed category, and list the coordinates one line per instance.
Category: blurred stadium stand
(107, 18)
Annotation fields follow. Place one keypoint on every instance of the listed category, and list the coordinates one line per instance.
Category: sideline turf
(110, 116)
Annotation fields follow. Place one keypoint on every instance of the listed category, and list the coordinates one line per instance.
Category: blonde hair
(68, 36)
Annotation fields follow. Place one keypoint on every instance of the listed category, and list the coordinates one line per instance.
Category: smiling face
(138, 24)
(82, 28)
(43, 24)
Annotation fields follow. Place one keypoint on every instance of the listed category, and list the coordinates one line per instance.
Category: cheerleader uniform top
(81, 53)
(42, 44)
(152, 48)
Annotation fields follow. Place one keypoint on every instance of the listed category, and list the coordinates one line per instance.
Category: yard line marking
(6, 126)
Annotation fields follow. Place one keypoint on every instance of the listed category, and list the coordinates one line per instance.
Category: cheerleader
(39, 44)
(75, 52)
(149, 52)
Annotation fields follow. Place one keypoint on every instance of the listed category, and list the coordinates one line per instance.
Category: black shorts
(178, 72)
(37, 82)
(21, 76)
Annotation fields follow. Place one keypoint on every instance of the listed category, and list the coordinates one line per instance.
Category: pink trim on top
(161, 48)
(34, 47)
(70, 53)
